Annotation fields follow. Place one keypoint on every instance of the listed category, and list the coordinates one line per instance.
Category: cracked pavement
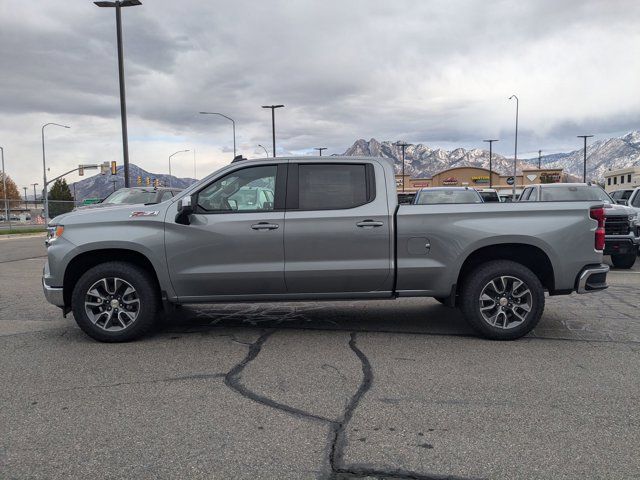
(339, 390)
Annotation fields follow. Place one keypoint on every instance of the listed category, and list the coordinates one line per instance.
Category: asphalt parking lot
(340, 390)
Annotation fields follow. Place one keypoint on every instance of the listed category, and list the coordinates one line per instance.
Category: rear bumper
(592, 278)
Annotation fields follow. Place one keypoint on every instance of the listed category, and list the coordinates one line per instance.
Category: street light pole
(490, 142)
(25, 196)
(515, 156)
(403, 145)
(35, 203)
(320, 149)
(539, 159)
(232, 122)
(584, 168)
(273, 123)
(45, 200)
(179, 151)
(4, 187)
(265, 150)
(123, 104)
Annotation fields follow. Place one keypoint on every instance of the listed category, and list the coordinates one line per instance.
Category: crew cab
(622, 238)
(334, 230)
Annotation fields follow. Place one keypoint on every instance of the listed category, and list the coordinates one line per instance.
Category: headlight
(53, 232)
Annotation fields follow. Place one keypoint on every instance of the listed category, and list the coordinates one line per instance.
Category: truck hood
(616, 210)
(110, 214)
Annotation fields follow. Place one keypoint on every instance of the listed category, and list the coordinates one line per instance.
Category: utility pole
(584, 168)
(403, 145)
(45, 199)
(490, 142)
(320, 149)
(25, 196)
(273, 123)
(123, 103)
(35, 203)
(515, 156)
(4, 188)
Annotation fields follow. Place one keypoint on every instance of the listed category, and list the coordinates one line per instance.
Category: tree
(13, 196)
(60, 198)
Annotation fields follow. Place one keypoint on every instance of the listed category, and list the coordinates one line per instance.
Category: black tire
(513, 327)
(145, 289)
(625, 261)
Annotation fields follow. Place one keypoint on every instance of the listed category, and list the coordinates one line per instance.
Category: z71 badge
(144, 214)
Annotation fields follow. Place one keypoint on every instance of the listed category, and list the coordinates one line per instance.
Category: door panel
(337, 250)
(234, 244)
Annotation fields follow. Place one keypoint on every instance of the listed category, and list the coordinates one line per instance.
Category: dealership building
(482, 178)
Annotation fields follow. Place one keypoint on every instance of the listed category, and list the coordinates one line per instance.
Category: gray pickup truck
(321, 229)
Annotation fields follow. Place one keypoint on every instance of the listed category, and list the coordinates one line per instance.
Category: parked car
(335, 231)
(622, 196)
(621, 222)
(440, 195)
(134, 195)
(489, 194)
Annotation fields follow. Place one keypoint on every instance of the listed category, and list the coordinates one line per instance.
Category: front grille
(617, 225)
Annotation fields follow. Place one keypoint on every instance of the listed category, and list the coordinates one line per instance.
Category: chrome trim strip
(586, 273)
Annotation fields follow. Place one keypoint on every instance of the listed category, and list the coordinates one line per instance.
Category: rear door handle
(369, 224)
(264, 226)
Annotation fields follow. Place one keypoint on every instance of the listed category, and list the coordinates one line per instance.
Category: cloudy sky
(436, 72)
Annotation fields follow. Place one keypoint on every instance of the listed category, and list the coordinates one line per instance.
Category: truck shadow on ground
(402, 316)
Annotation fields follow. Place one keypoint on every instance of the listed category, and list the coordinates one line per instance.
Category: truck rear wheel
(115, 302)
(625, 261)
(502, 300)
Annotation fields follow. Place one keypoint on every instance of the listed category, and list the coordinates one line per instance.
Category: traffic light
(139, 180)
(148, 181)
(114, 168)
(81, 170)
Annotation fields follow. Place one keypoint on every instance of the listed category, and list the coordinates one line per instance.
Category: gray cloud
(434, 72)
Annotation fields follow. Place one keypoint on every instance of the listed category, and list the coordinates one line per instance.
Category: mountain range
(99, 186)
(422, 161)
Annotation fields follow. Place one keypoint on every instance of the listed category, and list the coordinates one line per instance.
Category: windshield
(434, 197)
(574, 193)
(490, 196)
(131, 196)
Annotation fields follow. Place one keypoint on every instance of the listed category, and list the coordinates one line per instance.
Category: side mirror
(186, 207)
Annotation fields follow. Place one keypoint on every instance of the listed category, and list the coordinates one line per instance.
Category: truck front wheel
(115, 302)
(502, 300)
(625, 261)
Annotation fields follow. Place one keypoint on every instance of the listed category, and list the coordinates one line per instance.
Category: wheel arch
(531, 256)
(82, 262)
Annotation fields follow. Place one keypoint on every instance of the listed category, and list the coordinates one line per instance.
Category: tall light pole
(179, 151)
(123, 104)
(403, 145)
(273, 123)
(584, 168)
(490, 142)
(515, 156)
(4, 187)
(234, 127)
(45, 199)
(320, 149)
(34, 185)
(264, 148)
(539, 159)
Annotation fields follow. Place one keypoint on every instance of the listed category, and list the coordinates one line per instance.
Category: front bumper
(592, 278)
(620, 246)
(54, 295)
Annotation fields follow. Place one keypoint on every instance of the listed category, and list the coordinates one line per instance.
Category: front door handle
(264, 226)
(369, 224)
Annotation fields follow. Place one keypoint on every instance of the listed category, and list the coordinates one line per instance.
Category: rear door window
(330, 186)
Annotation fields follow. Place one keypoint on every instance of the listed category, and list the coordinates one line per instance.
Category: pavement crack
(339, 439)
(233, 380)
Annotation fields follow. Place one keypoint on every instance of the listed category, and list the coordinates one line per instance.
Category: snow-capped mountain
(99, 186)
(422, 161)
